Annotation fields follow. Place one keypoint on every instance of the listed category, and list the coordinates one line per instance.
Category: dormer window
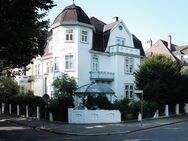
(84, 37)
(69, 35)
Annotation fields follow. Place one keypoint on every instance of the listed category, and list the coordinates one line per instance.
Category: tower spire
(73, 1)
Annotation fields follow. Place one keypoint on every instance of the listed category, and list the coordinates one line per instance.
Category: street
(175, 132)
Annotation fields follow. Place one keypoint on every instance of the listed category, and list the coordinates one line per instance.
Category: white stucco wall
(93, 116)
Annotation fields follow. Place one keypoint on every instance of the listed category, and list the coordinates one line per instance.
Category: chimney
(115, 19)
(149, 43)
(169, 41)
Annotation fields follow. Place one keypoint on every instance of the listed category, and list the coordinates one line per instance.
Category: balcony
(103, 76)
(124, 49)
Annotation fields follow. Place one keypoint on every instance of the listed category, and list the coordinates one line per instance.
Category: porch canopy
(94, 88)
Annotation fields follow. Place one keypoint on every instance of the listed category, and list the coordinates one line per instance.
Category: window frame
(69, 62)
(69, 35)
(95, 63)
(129, 92)
(84, 36)
(128, 65)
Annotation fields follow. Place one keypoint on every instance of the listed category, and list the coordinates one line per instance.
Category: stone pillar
(3, 108)
(10, 109)
(186, 108)
(18, 110)
(27, 112)
(166, 110)
(177, 109)
(51, 117)
(38, 113)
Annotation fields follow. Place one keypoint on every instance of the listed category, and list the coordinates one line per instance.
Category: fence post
(10, 109)
(27, 112)
(186, 108)
(38, 113)
(177, 109)
(3, 108)
(166, 110)
(18, 110)
(51, 117)
(156, 115)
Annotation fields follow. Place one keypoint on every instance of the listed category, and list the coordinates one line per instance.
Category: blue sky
(154, 19)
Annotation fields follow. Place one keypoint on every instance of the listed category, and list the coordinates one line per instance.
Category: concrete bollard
(51, 117)
(156, 115)
(186, 107)
(38, 113)
(3, 108)
(18, 110)
(177, 109)
(139, 117)
(10, 109)
(166, 110)
(27, 112)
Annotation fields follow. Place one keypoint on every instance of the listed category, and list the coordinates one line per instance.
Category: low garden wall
(93, 116)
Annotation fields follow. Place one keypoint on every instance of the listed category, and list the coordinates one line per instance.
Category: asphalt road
(176, 132)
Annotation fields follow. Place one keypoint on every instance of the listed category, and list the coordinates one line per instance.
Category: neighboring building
(176, 53)
(89, 50)
(182, 54)
(162, 47)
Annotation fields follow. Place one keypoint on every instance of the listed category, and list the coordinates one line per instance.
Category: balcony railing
(124, 49)
(99, 75)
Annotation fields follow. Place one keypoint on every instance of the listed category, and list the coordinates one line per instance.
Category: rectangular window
(51, 67)
(84, 37)
(69, 35)
(56, 64)
(129, 64)
(129, 90)
(95, 63)
(47, 67)
(69, 62)
(120, 41)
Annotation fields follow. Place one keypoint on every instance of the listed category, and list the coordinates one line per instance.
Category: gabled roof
(181, 49)
(161, 47)
(173, 46)
(98, 42)
(138, 44)
(109, 26)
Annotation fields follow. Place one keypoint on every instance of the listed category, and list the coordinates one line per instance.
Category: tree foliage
(8, 88)
(64, 85)
(23, 31)
(158, 76)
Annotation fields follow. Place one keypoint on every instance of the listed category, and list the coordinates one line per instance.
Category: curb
(95, 134)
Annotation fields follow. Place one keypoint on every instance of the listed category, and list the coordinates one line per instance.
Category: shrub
(59, 107)
(97, 102)
(130, 108)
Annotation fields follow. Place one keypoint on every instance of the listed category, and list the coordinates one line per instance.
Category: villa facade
(89, 50)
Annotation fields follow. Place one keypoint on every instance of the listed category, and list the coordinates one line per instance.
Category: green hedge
(22, 101)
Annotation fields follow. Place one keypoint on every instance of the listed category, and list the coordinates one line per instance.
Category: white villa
(89, 50)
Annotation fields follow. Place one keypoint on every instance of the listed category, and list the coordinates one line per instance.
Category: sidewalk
(94, 129)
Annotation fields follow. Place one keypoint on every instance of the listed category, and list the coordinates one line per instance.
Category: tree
(8, 88)
(64, 89)
(23, 31)
(158, 76)
(64, 85)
